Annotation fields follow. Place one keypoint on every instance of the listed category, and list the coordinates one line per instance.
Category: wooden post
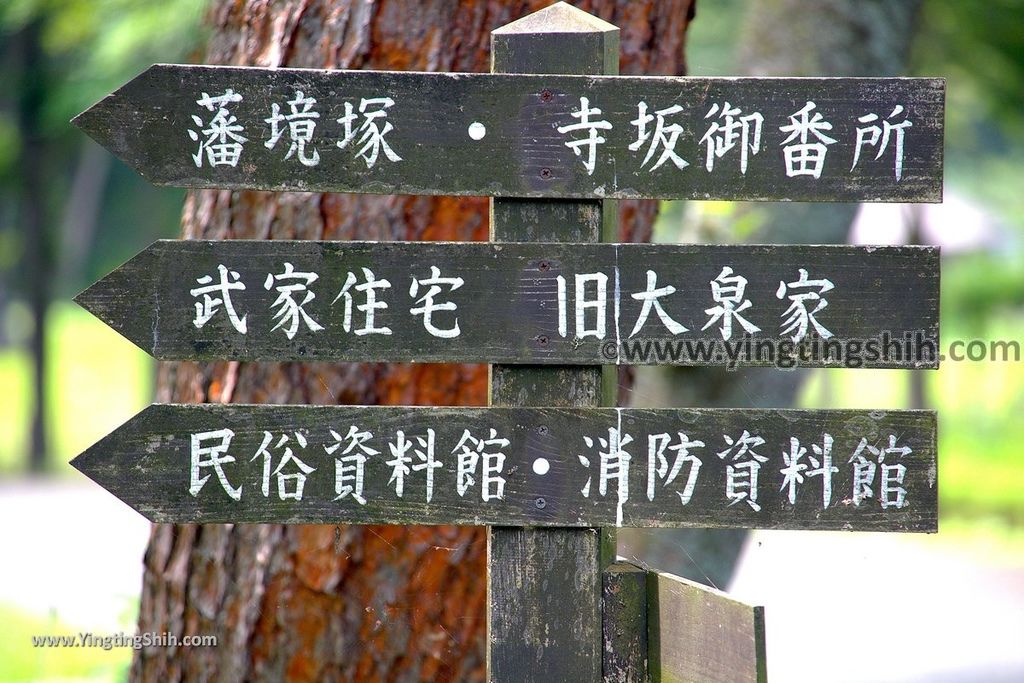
(544, 585)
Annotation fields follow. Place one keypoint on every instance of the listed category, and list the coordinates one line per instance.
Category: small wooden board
(698, 634)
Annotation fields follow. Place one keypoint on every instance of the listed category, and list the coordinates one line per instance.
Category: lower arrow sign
(786, 469)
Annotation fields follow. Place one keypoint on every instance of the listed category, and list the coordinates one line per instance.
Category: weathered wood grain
(511, 307)
(534, 572)
(624, 614)
(546, 466)
(700, 635)
(523, 152)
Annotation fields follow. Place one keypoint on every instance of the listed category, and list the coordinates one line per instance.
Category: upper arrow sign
(803, 139)
(528, 303)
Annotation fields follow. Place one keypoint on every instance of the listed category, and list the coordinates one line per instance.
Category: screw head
(540, 503)
(545, 173)
(545, 95)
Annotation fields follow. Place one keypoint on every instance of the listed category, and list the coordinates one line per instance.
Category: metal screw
(545, 173)
(544, 265)
(543, 429)
(542, 340)
(545, 95)
(540, 503)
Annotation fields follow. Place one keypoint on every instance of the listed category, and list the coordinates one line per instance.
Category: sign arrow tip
(91, 122)
(116, 458)
(121, 299)
(113, 121)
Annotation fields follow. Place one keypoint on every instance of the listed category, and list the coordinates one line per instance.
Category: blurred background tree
(784, 38)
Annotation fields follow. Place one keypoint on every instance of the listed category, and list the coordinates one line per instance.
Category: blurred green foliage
(87, 49)
(980, 288)
(94, 46)
(979, 49)
(82, 400)
(19, 662)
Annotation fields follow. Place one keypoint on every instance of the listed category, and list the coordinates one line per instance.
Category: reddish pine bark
(314, 603)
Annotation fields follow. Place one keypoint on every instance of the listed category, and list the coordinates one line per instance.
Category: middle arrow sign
(812, 306)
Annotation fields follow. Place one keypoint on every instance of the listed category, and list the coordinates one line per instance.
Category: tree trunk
(360, 603)
(38, 265)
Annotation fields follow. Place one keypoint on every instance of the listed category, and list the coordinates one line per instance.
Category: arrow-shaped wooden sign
(661, 627)
(696, 633)
(533, 303)
(785, 469)
(803, 139)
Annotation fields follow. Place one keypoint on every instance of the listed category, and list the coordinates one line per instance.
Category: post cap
(558, 18)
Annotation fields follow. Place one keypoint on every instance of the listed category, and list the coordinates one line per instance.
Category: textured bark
(348, 603)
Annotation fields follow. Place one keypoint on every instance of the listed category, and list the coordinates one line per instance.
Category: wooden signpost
(526, 303)
(553, 140)
(567, 467)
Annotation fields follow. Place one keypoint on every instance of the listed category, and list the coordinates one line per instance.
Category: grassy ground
(21, 662)
(96, 381)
